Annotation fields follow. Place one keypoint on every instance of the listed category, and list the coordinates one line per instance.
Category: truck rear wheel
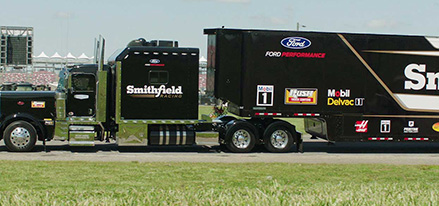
(240, 137)
(20, 136)
(278, 138)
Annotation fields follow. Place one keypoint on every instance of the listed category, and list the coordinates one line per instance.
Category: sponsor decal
(154, 61)
(435, 127)
(385, 126)
(38, 104)
(48, 121)
(341, 98)
(418, 80)
(310, 55)
(155, 92)
(295, 43)
(411, 129)
(302, 96)
(339, 93)
(361, 126)
(265, 95)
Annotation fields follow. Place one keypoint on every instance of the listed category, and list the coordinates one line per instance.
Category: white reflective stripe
(416, 139)
(268, 114)
(381, 138)
(415, 101)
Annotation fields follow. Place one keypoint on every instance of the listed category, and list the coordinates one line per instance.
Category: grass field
(133, 183)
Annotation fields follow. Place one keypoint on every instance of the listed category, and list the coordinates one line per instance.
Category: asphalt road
(315, 151)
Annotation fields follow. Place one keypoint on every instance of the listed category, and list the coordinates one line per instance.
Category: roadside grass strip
(133, 183)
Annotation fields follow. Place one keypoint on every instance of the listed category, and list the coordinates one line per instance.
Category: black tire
(240, 137)
(278, 138)
(20, 136)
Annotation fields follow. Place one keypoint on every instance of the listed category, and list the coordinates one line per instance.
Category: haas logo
(361, 126)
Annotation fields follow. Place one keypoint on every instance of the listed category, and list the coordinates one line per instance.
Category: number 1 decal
(385, 126)
(265, 95)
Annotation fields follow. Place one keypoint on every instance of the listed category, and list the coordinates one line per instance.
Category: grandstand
(44, 69)
(202, 75)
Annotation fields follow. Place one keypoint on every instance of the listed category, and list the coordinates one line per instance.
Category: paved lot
(315, 152)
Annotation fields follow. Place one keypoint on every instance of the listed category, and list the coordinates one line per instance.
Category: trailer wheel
(278, 138)
(20, 136)
(240, 137)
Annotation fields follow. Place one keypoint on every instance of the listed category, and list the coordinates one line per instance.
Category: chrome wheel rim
(279, 139)
(20, 137)
(241, 139)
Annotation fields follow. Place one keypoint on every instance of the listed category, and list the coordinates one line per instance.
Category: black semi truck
(347, 87)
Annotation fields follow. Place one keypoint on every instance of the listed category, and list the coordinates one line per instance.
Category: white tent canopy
(203, 59)
(83, 56)
(70, 56)
(44, 60)
(56, 56)
(42, 55)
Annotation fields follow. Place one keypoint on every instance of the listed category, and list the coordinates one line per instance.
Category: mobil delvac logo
(295, 43)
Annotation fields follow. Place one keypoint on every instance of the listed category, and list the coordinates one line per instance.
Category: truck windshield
(63, 76)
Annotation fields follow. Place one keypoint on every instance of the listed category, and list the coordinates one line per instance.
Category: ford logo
(296, 43)
(154, 61)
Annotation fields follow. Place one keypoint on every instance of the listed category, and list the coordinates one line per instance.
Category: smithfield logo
(154, 61)
(296, 43)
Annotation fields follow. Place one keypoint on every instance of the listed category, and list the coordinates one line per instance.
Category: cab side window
(83, 82)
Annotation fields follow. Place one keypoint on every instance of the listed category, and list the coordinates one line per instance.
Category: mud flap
(299, 143)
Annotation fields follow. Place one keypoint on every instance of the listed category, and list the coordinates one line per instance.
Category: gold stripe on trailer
(378, 78)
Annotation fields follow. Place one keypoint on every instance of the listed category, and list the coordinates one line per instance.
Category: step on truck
(347, 87)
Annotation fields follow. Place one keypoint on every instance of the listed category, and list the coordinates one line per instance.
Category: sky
(72, 25)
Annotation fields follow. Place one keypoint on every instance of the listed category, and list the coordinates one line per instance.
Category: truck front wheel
(278, 138)
(240, 138)
(20, 136)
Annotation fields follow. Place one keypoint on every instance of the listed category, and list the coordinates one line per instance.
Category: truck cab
(146, 95)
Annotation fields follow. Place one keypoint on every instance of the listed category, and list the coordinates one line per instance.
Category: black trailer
(348, 87)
